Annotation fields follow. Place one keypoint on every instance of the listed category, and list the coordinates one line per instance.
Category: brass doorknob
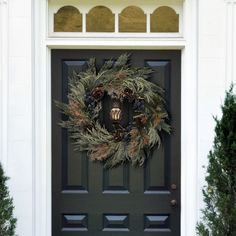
(173, 202)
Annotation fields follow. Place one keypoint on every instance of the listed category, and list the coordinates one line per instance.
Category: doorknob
(173, 202)
(173, 186)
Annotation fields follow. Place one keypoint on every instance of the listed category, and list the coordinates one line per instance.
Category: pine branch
(122, 61)
(120, 156)
(154, 137)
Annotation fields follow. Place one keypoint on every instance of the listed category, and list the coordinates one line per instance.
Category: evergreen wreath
(118, 80)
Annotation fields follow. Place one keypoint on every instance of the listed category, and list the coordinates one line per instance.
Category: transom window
(79, 18)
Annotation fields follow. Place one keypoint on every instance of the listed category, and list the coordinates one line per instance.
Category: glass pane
(132, 19)
(100, 19)
(68, 19)
(164, 19)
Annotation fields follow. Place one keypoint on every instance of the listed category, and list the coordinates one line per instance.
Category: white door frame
(42, 109)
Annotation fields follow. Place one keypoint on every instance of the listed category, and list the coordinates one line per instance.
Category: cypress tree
(7, 220)
(219, 215)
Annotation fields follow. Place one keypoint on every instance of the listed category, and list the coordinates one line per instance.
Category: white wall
(216, 71)
(216, 68)
(16, 109)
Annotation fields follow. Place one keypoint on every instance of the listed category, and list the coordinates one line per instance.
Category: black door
(88, 200)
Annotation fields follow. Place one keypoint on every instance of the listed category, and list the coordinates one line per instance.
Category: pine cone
(118, 136)
(146, 139)
(134, 132)
(139, 105)
(128, 94)
(98, 92)
(141, 120)
(87, 126)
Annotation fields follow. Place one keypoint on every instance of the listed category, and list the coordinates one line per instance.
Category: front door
(89, 200)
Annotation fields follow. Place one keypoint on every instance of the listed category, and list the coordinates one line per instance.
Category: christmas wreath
(130, 142)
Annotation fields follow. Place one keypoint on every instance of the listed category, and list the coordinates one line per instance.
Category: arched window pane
(164, 19)
(68, 19)
(132, 19)
(100, 19)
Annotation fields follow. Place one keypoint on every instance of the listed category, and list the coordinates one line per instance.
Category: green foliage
(7, 220)
(94, 136)
(120, 155)
(219, 216)
(154, 137)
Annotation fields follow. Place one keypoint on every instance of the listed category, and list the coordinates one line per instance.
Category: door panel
(88, 200)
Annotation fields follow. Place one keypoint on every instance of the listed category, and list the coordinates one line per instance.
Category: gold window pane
(132, 19)
(68, 19)
(100, 19)
(164, 19)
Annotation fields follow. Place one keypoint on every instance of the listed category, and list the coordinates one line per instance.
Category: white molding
(189, 123)
(230, 43)
(41, 152)
(116, 42)
(230, 1)
(116, 23)
(4, 36)
(84, 35)
(3, 1)
(148, 22)
(83, 23)
(42, 124)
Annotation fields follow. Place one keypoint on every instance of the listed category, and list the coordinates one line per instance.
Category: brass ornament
(116, 112)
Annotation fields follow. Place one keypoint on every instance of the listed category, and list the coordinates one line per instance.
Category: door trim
(42, 113)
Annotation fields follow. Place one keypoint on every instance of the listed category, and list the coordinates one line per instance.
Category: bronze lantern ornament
(116, 112)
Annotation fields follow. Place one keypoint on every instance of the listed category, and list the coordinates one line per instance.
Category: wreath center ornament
(116, 112)
(128, 141)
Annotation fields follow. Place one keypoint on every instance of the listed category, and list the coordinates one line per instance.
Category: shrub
(7, 220)
(219, 215)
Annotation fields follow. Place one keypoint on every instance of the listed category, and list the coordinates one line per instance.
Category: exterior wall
(216, 58)
(216, 71)
(16, 106)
